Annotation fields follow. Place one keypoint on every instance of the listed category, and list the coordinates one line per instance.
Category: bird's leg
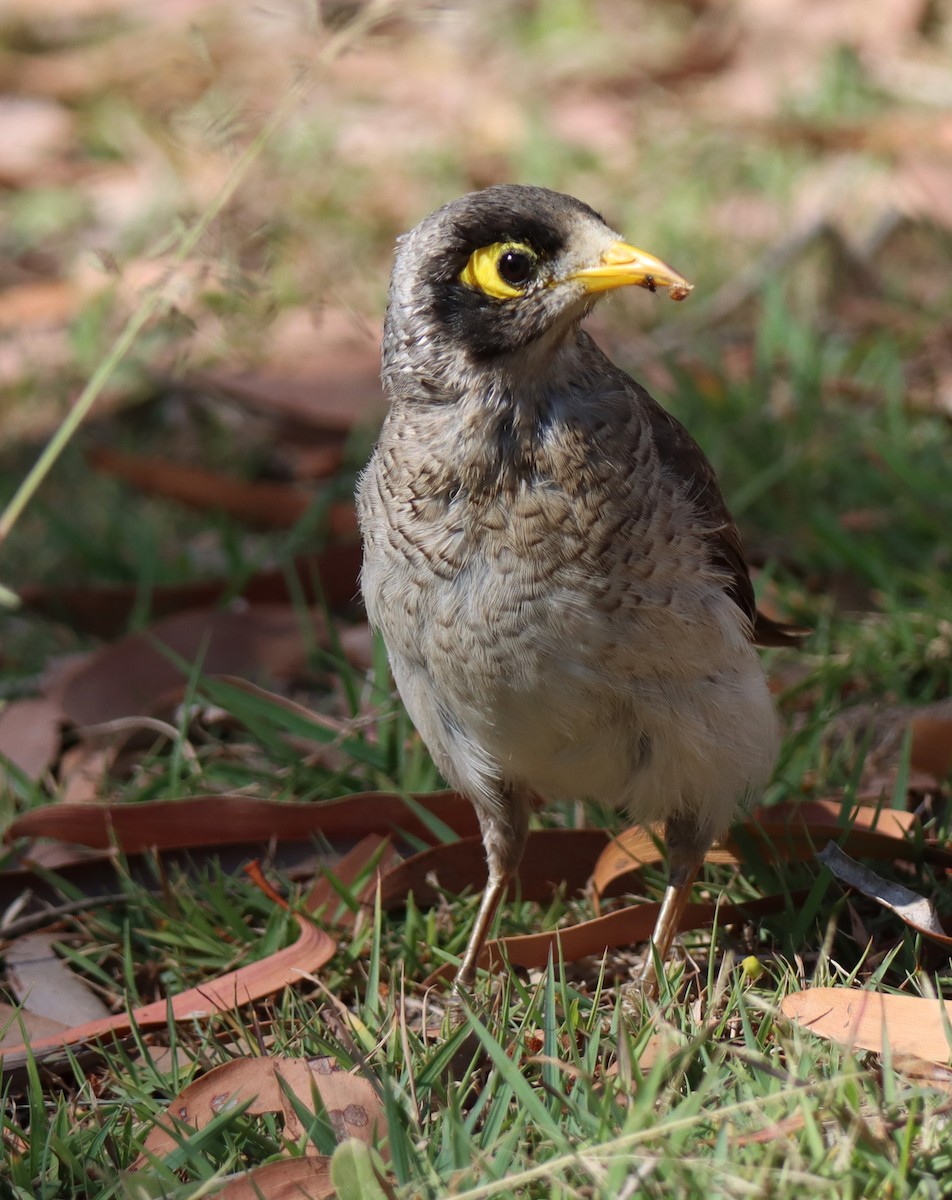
(505, 826)
(686, 849)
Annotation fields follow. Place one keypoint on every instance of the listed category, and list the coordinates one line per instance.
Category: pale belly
(639, 709)
(521, 666)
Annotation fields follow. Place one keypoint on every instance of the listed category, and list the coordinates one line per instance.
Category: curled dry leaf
(918, 912)
(84, 773)
(875, 1021)
(330, 577)
(307, 1178)
(785, 832)
(553, 858)
(233, 819)
(126, 677)
(624, 927)
(261, 1085)
(263, 505)
(312, 949)
(373, 849)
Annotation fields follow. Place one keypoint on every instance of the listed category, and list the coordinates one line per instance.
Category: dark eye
(515, 267)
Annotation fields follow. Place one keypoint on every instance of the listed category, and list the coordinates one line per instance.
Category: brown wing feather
(683, 459)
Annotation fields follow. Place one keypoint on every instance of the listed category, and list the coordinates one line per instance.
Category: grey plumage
(561, 589)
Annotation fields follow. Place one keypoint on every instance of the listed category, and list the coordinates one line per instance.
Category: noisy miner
(561, 589)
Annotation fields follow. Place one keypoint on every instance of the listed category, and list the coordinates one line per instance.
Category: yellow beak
(622, 265)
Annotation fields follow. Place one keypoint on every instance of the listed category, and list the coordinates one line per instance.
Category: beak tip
(622, 265)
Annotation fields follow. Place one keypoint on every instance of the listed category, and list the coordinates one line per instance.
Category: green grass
(540, 1089)
(541, 1092)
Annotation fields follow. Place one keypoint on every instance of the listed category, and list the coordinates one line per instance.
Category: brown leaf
(333, 385)
(232, 819)
(776, 1131)
(664, 1044)
(259, 1083)
(331, 576)
(30, 735)
(931, 750)
(306, 462)
(923, 1073)
(927, 181)
(336, 402)
(127, 677)
(312, 949)
(262, 505)
(35, 131)
(875, 1021)
(787, 832)
(354, 864)
(307, 1178)
(624, 927)
(45, 302)
(553, 858)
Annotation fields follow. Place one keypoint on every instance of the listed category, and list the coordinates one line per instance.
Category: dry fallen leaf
(785, 832)
(232, 819)
(553, 858)
(30, 735)
(260, 1085)
(262, 505)
(329, 577)
(875, 1021)
(923, 1073)
(45, 984)
(17, 1022)
(307, 1178)
(624, 927)
(44, 302)
(916, 911)
(931, 750)
(84, 773)
(663, 1044)
(312, 949)
(35, 132)
(374, 848)
(127, 677)
(336, 398)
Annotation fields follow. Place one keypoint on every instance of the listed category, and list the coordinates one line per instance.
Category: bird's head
(496, 272)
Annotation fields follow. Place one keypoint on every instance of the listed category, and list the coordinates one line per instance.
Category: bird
(563, 594)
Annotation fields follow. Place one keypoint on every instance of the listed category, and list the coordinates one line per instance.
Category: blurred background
(792, 158)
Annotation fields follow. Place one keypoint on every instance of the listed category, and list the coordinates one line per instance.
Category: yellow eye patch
(501, 270)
